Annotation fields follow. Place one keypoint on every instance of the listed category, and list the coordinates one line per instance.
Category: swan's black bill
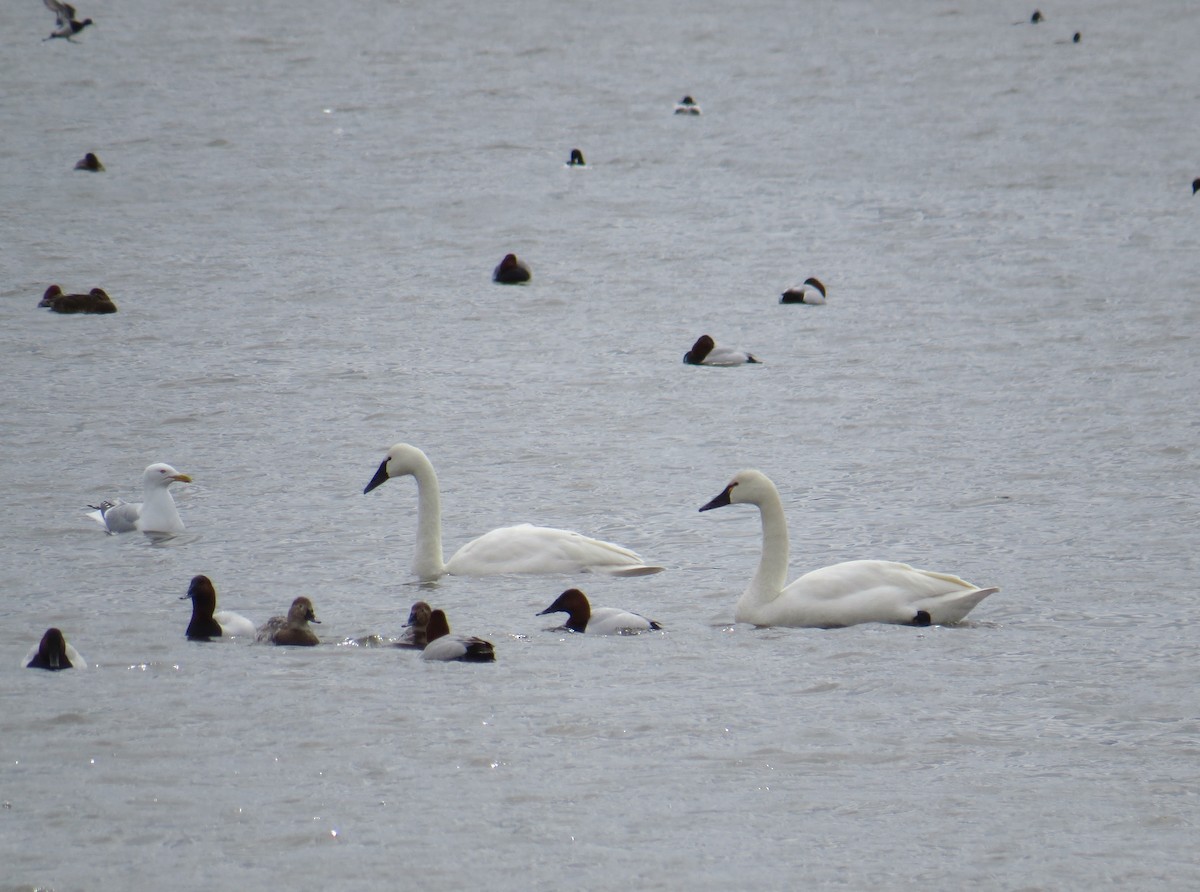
(720, 501)
(380, 477)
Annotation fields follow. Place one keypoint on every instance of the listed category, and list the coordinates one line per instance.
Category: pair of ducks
(95, 301)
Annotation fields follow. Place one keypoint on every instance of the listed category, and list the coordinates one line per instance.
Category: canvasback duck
(95, 301)
(576, 159)
(445, 647)
(89, 162)
(292, 629)
(687, 106)
(511, 271)
(53, 653)
(156, 514)
(207, 621)
(811, 292)
(583, 617)
(65, 23)
(415, 635)
(516, 549)
(706, 352)
(841, 594)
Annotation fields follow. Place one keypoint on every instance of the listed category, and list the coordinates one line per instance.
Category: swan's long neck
(771, 575)
(428, 563)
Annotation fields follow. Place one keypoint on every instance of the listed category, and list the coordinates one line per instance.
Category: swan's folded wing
(531, 549)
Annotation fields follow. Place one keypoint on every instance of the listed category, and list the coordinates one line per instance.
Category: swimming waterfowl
(447, 648)
(1195, 185)
(156, 514)
(516, 549)
(415, 636)
(583, 617)
(65, 23)
(89, 162)
(706, 352)
(576, 159)
(687, 106)
(291, 629)
(841, 594)
(95, 301)
(811, 292)
(207, 622)
(511, 271)
(53, 653)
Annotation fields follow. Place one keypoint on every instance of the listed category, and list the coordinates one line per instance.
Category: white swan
(156, 514)
(208, 622)
(706, 351)
(583, 617)
(518, 549)
(842, 594)
(446, 647)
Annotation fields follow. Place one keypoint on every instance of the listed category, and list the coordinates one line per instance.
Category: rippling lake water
(301, 210)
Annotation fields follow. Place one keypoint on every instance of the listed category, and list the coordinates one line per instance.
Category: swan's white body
(155, 514)
(517, 549)
(841, 594)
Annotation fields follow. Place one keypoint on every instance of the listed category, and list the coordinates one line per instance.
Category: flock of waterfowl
(842, 594)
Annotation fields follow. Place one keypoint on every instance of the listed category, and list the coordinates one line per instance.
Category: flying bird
(65, 25)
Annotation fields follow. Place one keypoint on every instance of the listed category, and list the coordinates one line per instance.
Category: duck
(811, 292)
(583, 617)
(511, 271)
(89, 162)
(208, 622)
(1033, 19)
(839, 595)
(156, 514)
(53, 652)
(445, 647)
(65, 23)
(576, 159)
(95, 301)
(706, 352)
(687, 106)
(291, 629)
(1195, 185)
(415, 636)
(515, 549)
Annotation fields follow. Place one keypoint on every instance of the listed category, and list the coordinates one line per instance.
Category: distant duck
(54, 653)
(1076, 37)
(446, 647)
(65, 24)
(583, 617)
(415, 636)
(576, 159)
(208, 622)
(706, 352)
(156, 513)
(511, 271)
(291, 629)
(89, 162)
(1033, 19)
(1195, 185)
(685, 106)
(95, 301)
(811, 292)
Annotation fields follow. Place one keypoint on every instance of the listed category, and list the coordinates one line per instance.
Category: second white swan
(517, 549)
(841, 594)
